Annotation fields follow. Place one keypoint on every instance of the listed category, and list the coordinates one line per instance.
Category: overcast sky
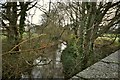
(37, 12)
(36, 18)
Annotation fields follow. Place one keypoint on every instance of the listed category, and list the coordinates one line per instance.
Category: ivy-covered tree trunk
(89, 24)
(81, 47)
(22, 18)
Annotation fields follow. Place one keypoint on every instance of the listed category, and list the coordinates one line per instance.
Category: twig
(25, 41)
(29, 49)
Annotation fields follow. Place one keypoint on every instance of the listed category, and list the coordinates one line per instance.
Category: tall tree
(11, 13)
(89, 21)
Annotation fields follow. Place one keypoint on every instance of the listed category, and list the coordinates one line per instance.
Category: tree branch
(31, 6)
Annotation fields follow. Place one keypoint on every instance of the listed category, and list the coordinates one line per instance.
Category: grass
(102, 49)
(107, 40)
(106, 45)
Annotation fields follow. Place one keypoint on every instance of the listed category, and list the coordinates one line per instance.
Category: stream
(43, 71)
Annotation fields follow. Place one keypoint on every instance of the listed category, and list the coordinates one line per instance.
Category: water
(42, 70)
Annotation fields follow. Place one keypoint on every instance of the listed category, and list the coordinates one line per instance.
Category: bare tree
(14, 30)
(89, 21)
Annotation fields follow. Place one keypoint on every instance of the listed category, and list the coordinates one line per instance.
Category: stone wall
(107, 68)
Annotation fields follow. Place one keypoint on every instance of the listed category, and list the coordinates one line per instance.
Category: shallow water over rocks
(46, 67)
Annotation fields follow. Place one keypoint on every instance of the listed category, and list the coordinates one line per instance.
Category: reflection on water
(42, 70)
(61, 47)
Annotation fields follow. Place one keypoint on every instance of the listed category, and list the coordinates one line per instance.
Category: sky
(37, 17)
